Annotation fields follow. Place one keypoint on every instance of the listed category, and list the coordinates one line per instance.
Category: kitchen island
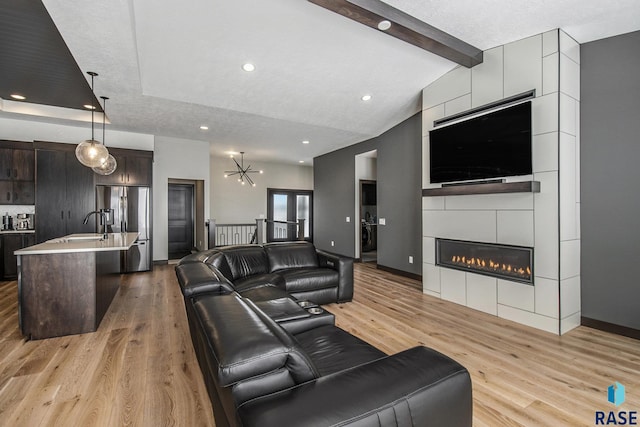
(66, 285)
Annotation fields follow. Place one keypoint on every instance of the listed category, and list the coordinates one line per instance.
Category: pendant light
(90, 152)
(109, 166)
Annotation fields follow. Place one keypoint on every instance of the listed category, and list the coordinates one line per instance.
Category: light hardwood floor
(139, 368)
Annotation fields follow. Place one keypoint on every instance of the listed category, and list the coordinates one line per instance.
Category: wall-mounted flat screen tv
(493, 145)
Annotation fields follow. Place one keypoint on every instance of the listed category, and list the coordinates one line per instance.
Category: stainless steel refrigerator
(128, 210)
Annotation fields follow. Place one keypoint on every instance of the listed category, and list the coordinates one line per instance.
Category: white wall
(548, 220)
(232, 203)
(176, 159)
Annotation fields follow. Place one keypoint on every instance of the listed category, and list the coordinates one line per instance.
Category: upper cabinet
(17, 173)
(134, 168)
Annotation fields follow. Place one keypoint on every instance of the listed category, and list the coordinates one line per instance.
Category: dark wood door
(80, 196)
(180, 220)
(51, 194)
(284, 209)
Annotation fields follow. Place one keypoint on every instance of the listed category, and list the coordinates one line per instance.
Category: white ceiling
(170, 66)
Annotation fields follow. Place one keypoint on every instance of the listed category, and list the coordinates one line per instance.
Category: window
(285, 209)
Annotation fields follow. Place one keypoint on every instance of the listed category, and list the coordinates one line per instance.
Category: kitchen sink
(92, 237)
(78, 238)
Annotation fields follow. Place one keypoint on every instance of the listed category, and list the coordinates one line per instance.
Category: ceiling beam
(407, 28)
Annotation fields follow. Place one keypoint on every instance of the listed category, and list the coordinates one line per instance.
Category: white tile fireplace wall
(548, 221)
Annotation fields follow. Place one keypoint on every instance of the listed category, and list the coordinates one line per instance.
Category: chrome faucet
(103, 217)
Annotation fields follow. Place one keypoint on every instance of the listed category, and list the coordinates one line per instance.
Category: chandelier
(242, 172)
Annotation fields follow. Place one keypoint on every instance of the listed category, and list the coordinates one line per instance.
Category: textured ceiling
(169, 67)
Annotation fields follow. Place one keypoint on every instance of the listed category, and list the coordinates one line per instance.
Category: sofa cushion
(291, 255)
(332, 349)
(196, 278)
(247, 260)
(306, 279)
(219, 262)
(264, 293)
(246, 343)
(416, 387)
(259, 280)
(201, 256)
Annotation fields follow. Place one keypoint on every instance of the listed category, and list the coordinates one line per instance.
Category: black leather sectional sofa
(271, 359)
(273, 270)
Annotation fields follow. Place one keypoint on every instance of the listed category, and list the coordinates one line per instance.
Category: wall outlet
(410, 259)
(333, 243)
(382, 221)
(348, 219)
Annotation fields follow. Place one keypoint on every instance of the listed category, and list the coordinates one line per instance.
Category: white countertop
(86, 242)
(23, 231)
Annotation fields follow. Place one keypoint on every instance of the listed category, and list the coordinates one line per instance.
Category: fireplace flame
(491, 265)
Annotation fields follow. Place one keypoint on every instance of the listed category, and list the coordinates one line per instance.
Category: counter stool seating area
(270, 355)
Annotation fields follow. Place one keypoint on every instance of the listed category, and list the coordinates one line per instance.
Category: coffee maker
(24, 222)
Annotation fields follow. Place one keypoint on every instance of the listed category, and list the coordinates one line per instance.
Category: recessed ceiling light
(305, 142)
(89, 107)
(18, 97)
(300, 161)
(366, 97)
(248, 67)
(384, 25)
(204, 127)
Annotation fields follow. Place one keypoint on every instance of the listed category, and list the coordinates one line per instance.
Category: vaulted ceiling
(170, 67)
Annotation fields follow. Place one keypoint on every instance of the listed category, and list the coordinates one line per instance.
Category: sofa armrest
(197, 278)
(418, 386)
(344, 266)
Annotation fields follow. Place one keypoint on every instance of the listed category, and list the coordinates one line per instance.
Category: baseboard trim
(400, 272)
(161, 262)
(610, 327)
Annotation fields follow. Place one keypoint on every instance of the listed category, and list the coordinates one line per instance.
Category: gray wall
(399, 177)
(610, 169)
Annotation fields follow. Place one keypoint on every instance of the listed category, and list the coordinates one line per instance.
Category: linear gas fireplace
(501, 261)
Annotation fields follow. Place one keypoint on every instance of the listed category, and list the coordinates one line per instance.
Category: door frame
(191, 188)
(291, 211)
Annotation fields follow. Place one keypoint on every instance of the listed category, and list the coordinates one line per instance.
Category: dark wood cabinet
(12, 242)
(17, 176)
(6, 163)
(134, 168)
(6, 192)
(65, 195)
(138, 170)
(24, 162)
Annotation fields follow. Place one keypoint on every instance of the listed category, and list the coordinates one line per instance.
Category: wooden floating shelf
(484, 188)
